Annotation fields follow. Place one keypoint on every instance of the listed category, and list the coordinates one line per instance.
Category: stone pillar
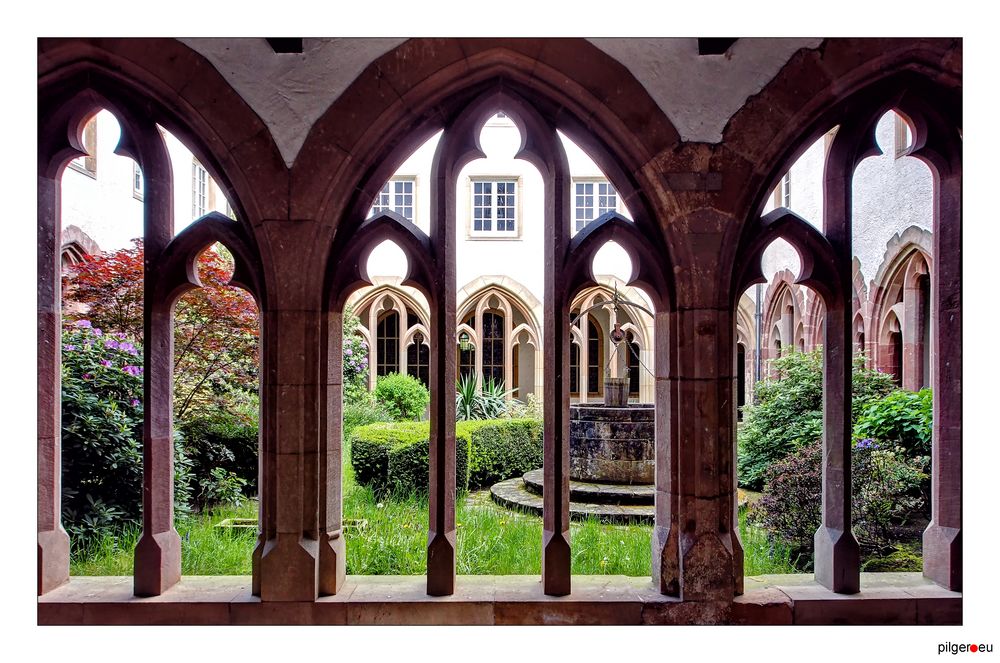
(158, 552)
(837, 556)
(53, 542)
(556, 555)
(289, 565)
(704, 420)
(584, 358)
(912, 330)
(666, 534)
(441, 536)
(942, 543)
(332, 550)
(478, 359)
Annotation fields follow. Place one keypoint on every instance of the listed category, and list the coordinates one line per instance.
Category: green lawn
(388, 536)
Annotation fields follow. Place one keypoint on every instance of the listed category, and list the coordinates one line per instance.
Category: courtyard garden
(385, 459)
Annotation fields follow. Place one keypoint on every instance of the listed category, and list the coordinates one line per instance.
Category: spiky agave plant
(465, 397)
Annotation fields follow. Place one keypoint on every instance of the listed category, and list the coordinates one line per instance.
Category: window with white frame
(494, 208)
(199, 190)
(786, 190)
(592, 199)
(396, 196)
(903, 137)
(137, 185)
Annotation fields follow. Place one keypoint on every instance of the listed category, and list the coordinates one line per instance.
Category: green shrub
(355, 359)
(403, 396)
(789, 411)
(903, 418)
(882, 500)
(102, 436)
(225, 442)
(394, 456)
(361, 411)
(502, 449)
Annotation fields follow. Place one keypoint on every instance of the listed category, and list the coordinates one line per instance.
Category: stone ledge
(886, 598)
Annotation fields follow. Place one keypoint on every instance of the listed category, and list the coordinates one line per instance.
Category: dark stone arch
(649, 270)
(414, 89)
(180, 90)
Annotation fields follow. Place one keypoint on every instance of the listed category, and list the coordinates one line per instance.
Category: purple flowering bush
(102, 434)
(882, 501)
(355, 360)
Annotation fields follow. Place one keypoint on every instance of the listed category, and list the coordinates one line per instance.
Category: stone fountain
(611, 453)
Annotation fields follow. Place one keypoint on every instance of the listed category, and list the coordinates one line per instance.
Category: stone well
(609, 444)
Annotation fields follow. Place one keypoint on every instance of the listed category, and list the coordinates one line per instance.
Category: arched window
(418, 359)
(387, 343)
(595, 359)
(493, 348)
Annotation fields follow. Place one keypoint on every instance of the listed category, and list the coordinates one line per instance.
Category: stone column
(293, 333)
(158, 552)
(584, 358)
(53, 542)
(556, 555)
(942, 543)
(913, 328)
(332, 550)
(666, 534)
(704, 421)
(478, 359)
(441, 535)
(837, 556)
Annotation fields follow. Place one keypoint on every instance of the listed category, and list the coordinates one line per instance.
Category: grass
(204, 551)
(387, 535)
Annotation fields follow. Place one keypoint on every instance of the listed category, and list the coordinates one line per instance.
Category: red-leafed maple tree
(215, 326)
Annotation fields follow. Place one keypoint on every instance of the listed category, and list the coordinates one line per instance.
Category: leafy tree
(215, 326)
(789, 410)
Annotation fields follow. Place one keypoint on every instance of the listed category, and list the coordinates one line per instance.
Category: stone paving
(513, 493)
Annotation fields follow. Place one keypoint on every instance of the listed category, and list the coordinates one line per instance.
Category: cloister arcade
(695, 241)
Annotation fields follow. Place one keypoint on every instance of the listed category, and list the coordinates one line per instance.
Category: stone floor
(886, 598)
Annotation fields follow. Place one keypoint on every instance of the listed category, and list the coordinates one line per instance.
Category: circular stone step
(596, 493)
(513, 494)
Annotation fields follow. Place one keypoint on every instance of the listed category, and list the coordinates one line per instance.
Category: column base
(258, 551)
(53, 559)
(157, 563)
(666, 561)
(289, 569)
(332, 562)
(942, 549)
(838, 560)
(556, 563)
(441, 563)
(707, 567)
(738, 563)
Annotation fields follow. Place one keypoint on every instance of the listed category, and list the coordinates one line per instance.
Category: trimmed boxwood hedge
(394, 456)
(502, 449)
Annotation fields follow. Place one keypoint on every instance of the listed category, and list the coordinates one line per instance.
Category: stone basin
(611, 444)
